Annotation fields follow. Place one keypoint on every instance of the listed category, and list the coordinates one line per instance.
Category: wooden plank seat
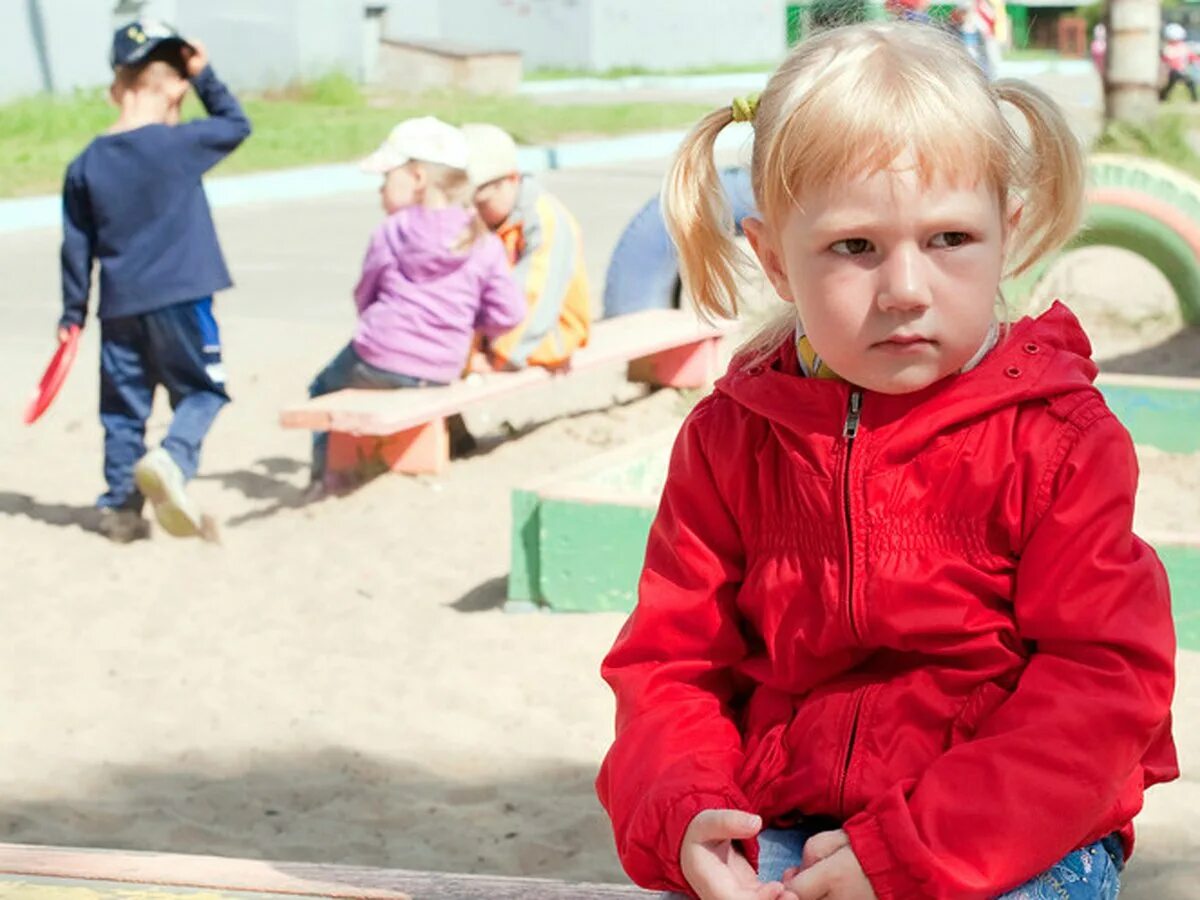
(405, 430)
(36, 873)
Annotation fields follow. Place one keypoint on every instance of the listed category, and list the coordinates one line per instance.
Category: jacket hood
(1038, 358)
(422, 240)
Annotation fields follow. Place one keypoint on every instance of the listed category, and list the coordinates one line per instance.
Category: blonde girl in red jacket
(895, 637)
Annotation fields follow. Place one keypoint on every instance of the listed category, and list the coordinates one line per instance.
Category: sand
(337, 682)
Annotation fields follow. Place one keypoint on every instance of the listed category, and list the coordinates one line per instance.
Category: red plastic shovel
(54, 376)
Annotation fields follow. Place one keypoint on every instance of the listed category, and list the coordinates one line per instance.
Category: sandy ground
(337, 682)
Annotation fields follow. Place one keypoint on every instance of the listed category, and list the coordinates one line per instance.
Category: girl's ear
(763, 244)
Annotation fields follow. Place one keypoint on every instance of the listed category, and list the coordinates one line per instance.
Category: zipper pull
(850, 431)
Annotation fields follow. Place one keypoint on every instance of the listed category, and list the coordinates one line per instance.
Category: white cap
(428, 139)
(493, 153)
(1174, 32)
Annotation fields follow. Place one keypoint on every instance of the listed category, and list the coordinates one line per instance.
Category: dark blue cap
(134, 42)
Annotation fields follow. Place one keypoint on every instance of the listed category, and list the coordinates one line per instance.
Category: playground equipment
(405, 431)
(643, 271)
(1136, 204)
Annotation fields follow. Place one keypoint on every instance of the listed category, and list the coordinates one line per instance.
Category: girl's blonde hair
(454, 188)
(847, 103)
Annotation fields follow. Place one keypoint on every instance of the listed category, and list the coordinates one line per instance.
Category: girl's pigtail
(700, 222)
(1052, 179)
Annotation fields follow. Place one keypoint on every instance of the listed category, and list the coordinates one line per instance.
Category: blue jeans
(1092, 873)
(349, 370)
(178, 347)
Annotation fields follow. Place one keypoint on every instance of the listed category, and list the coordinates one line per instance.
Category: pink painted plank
(628, 337)
(293, 879)
(177, 870)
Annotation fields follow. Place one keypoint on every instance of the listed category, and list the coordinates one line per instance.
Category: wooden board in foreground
(41, 873)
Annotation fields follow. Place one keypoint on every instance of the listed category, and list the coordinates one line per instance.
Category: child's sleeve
(77, 252)
(545, 272)
(379, 257)
(501, 301)
(1088, 718)
(205, 142)
(677, 747)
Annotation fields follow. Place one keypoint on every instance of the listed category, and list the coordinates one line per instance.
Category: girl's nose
(904, 284)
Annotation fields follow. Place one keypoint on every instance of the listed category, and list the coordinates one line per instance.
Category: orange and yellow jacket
(546, 253)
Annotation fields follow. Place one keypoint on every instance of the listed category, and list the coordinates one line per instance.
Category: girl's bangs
(891, 122)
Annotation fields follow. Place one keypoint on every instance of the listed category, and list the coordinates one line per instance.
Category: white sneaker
(161, 482)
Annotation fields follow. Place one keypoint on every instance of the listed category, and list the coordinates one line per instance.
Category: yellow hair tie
(743, 108)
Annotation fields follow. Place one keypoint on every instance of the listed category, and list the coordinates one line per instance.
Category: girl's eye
(948, 239)
(852, 247)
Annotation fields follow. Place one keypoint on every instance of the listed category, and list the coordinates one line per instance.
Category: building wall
(412, 20)
(676, 34)
(268, 43)
(547, 33)
(55, 45)
(601, 34)
(61, 45)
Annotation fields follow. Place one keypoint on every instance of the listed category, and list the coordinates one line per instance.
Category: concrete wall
(676, 34)
(56, 45)
(412, 20)
(60, 45)
(268, 43)
(547, 33)
(601, 34)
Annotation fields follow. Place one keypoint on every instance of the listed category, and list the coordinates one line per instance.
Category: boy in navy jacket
(133, 201)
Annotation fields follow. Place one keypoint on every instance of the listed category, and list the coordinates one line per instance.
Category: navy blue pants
(178, 347)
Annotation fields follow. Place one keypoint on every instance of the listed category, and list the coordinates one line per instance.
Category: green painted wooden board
(1183, 570)
(1166, 418)
(591, 554)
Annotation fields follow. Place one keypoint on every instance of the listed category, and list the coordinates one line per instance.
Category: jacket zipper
(850, 742)
(850, 432)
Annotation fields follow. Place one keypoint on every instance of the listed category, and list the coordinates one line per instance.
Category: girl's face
(895, 282)
(402, 187)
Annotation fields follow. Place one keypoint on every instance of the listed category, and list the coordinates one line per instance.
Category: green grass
(1164, 139)
(328, 120)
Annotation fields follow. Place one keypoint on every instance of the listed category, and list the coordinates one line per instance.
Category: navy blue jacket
(134, 202)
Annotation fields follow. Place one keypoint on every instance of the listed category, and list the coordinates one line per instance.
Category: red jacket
(929, 619)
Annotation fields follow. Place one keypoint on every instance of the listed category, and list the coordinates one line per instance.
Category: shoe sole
(175, 520)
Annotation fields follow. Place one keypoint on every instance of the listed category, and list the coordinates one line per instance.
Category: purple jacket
(419, 302)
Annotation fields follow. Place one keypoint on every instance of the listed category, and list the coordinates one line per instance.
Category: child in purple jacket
(433, 275)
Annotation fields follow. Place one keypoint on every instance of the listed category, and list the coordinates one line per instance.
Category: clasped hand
(717, 870)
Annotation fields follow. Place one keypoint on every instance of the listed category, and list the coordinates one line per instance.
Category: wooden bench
(39, 873)
(405, 430)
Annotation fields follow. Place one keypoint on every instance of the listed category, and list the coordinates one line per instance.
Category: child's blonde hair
(847, 103)
(454, 188)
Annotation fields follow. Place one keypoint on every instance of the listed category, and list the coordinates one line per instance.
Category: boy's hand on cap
(195, 56)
